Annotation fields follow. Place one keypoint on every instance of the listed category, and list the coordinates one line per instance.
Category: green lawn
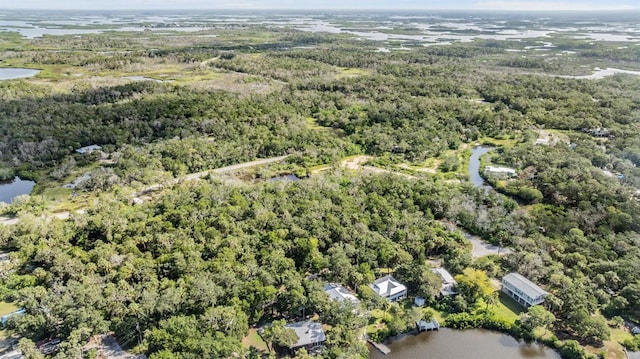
(253, 339)
(6, 308)
(507, 309)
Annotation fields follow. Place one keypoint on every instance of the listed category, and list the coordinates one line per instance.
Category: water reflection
(16, 73)
(474, 165)
(11, 189)
(459, 344)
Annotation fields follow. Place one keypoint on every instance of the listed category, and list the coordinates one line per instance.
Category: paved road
(109, 348)
(193, 176)
(481, 248)
(14, 354)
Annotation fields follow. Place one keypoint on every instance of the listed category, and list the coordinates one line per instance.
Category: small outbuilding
(389, 288)
(419, 302)
(522, 290)
(423, 325)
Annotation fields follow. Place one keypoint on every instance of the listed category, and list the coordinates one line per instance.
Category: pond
(11, 189)
(16, 73)
(474, 165)
(286, 178)
(455, 344)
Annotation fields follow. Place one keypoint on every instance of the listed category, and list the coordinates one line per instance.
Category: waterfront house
(503, 172)
(389, 288)
(310, 335)
(523, 290)
(448, 283)
(339, 293)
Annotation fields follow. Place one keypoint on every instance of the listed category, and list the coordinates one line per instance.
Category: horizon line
(321, 9)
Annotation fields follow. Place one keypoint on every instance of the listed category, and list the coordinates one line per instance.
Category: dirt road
(190, 177)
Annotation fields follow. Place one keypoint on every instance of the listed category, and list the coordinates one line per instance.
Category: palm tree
(491, 300)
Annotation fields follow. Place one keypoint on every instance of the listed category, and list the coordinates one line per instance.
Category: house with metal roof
(310, 335)
(389, 288)
(448, 283)
(339, 293)
(522, 290)
(505, 172)
(88, 149)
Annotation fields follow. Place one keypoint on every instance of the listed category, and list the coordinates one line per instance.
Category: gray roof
(308, 332)
(88, 149)
(446, 277)
(448, 283)
(526, 286)
(340, 293)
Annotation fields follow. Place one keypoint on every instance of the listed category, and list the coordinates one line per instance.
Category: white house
(88, 149)
(448, 283)
(389, 288)
(310, 334)
(542, 141)
(340, 293)
(522, 290)
(500, 171)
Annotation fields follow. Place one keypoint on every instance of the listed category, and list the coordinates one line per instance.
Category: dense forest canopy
(195, 265)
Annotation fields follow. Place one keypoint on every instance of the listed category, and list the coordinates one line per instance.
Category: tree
(490, 300)
(571, 349)
(278, 334)
(29, 350)
(591, 329)
(535, 317)
(473, 284)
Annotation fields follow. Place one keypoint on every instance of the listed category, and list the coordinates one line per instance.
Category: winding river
(474, 165)
(463, 344)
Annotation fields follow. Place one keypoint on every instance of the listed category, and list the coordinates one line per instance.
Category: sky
(530, 5)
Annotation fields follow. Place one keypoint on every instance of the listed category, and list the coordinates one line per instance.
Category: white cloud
(523, 5)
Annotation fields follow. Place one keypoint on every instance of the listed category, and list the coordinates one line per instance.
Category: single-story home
(389, 288)
(500, 171)
(88, 149)
(310, 335)
(339, 293)
(448, 283)
(542, 141)
(523, 290)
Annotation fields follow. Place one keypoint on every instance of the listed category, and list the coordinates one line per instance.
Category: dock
(381, 347)
(423, 325)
